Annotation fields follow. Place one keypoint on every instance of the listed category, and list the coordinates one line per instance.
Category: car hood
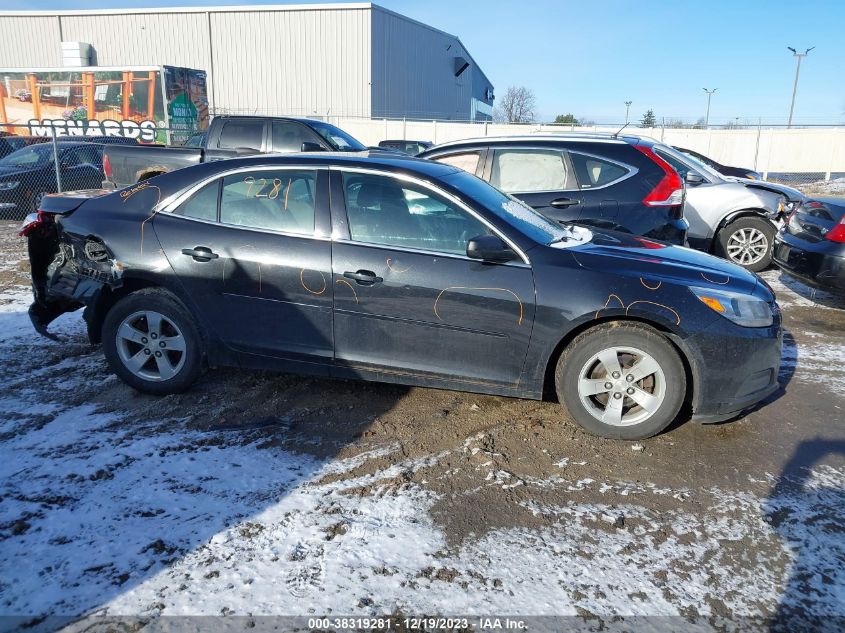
(790, 192)
(629, 255)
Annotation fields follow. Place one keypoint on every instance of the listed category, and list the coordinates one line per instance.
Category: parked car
(412, 148)
(411, 272)
(725, 170)
(811, 245)
(728, 217)
(27, 174)
(226, 137)
(11, 143)
(595, 180)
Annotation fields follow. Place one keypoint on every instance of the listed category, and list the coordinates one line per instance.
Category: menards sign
(148, 104)
(144, 131)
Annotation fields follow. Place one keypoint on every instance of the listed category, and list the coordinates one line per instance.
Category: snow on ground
(114, 518)
(104, 511)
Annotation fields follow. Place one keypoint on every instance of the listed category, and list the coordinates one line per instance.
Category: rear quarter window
(594, 172)
(241, 134)
(468, 161)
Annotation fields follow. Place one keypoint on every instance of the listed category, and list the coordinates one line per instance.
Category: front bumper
(816, 264)
(734, 367)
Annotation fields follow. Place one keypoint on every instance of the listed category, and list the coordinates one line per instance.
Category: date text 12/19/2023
(389, 623)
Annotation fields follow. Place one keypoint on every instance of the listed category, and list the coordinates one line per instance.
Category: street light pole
(709, 95)
(627, 109)
(799, 57)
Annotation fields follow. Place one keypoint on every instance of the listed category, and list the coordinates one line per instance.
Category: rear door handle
(200, 253)
(562, 203)
(363, 277)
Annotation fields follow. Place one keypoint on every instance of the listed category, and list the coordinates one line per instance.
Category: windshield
(32, 157)
(337, 137)
(673, 157)
(514, 212)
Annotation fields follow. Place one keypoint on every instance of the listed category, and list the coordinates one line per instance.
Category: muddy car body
(401, 270)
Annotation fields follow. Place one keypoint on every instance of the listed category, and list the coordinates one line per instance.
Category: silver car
(734, 218)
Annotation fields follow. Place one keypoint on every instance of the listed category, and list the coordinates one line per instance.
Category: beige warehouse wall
(300, 62)
(29, 41)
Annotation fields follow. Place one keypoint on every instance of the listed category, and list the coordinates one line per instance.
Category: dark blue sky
(590, 57)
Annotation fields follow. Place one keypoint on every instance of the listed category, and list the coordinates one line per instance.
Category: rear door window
(241, 134)
(531, 171)
(594, 172)
(277, 200)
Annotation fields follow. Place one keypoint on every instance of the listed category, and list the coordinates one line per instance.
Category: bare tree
(517, 106)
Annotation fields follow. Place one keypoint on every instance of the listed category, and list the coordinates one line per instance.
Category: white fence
(819, 151)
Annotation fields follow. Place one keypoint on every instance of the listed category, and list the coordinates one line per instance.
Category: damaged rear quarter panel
(87, 269)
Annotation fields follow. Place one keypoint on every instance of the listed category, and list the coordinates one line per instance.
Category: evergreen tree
(648, 120)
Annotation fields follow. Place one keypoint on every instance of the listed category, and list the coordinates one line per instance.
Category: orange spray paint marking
(351, 287)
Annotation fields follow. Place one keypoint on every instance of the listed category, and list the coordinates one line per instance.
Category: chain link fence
(35, 161)
(40, 160)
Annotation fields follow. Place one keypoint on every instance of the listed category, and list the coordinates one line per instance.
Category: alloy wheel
(622, 386)
(150, 345)
(747, 246)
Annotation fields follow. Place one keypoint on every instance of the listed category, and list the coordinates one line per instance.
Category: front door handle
(200, 253)
(562, 203)
(363, 277)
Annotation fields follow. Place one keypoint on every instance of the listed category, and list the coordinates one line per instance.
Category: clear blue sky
(588, 58)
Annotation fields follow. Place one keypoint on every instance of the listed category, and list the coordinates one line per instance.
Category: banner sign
(89, 102)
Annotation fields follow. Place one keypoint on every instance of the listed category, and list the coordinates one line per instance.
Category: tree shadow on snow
(101, 487)
(805, 508)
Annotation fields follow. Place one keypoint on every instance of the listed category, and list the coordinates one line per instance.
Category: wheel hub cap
(747, 246)
(150, 345)
(622, 386)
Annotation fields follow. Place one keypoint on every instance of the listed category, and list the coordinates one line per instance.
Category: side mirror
(693, 178)
(489, 248)
(308, 146)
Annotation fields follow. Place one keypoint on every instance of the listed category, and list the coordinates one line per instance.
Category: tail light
(837, 233)
(670, 190)
(107, 166)
(36, 222)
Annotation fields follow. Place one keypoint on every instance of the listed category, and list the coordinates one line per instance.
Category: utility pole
(709, 96)
(627, 110)
(799, 57)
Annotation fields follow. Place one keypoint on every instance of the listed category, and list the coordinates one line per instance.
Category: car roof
(547, 137)
(371, 159)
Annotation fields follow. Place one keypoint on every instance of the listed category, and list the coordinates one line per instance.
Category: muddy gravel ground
(265, 494)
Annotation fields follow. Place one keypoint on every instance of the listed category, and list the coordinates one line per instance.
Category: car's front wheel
(151, 342)
(621, 380)
(748, 242)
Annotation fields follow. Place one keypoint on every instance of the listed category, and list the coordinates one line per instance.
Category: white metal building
(308, 59)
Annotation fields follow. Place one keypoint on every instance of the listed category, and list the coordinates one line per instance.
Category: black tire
(186, 365)
(745, 224)
(577, 356)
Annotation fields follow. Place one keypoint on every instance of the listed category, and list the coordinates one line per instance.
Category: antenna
(616, 135)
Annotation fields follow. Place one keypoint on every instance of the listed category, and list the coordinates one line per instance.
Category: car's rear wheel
(622, 380)
(748, 242)
(151, 342)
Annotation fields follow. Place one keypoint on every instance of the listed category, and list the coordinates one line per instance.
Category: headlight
(744, 310)
(9, 184)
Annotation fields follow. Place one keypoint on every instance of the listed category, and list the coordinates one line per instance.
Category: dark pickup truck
(226, 137)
